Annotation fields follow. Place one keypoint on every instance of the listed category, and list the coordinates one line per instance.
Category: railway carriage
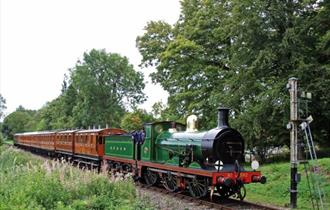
(64, 143)
(43, 141)
(46, 140)
(21, 140)
(87, 146)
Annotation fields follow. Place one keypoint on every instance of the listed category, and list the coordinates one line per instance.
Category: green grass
(276, 190)
(29, 182)
(9, 141)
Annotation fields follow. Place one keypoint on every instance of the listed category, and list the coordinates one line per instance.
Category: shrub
(1, 139)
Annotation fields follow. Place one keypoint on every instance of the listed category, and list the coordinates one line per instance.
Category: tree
(158, 109)
(163, 112)
(2, 106)
(56, 114)
(97, 92)
(273, 42)
(317, 77)
(240, 54)
(104, 84)
(133, 121)
(18, 121)
(192, 62)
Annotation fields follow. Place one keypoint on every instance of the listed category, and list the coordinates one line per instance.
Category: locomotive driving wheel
(224, 192)
(169, 182)
(150, 177)
(241, 192)
(198, 186)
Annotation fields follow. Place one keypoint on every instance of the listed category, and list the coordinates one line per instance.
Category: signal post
(293, 126)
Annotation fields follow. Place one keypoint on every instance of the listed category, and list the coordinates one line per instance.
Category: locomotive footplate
(244, 176)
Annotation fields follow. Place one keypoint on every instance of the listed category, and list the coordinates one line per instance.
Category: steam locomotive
(168, 153)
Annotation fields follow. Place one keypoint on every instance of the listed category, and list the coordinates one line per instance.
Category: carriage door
(100, 145)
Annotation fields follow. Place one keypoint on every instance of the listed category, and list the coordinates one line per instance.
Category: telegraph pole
(293, 126)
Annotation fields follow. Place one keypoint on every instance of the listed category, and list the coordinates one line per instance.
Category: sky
(41, 39)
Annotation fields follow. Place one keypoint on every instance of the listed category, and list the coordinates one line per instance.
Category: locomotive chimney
(223, 114)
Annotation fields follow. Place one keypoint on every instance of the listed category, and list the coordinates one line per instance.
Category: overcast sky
(41, 39)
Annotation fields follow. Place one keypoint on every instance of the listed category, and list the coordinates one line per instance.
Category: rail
(216, 203)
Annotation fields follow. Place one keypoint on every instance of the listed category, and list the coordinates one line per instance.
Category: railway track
(216, 203)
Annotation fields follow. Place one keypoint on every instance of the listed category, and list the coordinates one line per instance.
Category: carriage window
(180, 127)
(159, 128)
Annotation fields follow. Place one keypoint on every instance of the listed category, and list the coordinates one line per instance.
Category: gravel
(168, 202)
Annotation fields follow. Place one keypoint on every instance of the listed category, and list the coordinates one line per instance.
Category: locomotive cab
(154, 135)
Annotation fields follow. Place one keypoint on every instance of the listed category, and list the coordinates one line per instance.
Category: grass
(9, 141)
(29, 182)
(276, 190)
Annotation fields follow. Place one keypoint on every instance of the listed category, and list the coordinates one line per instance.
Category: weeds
(27, 182)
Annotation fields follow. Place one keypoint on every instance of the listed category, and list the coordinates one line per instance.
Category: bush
(1, 139)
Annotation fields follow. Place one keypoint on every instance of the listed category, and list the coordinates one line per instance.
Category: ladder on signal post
(314, 184)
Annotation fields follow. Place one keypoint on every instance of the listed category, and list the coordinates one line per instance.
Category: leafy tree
(55, 114)
(1, 137)
(18, 121)
(96, 92)
(158, 109)
(163, 112)
(273, 42)
(134, 120)
(317, 74)
(2, 106)
(240, 54)
(103, 84)
(194, 63)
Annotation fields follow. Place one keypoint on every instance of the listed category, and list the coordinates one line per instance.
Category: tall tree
(274, 41)
(2, 106)
(240, 54)
(97, 92)
(105, 83)
(192, 62)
